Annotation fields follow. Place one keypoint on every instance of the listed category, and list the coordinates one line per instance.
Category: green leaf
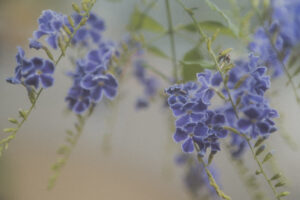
(259, 142)
(189, 65)
(228, 67)
(156, 51)
(31, 95)
(142, 21)
(280, 184)
(276, 176)
(76, 8)
(63, 150)
(267, 157)
(69, 132)
(204, 63)
(257, 172)
(225, 52)
(9, 130)
(71, 21)
(23, 113)
(245, 24)
(241, 81)
(13, 120)
(208, 26)
(231, 26)
(211, 157)
(283, 194)
(260, 150)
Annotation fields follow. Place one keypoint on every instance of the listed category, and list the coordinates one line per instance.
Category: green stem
(212, 181)
(235, 131)
(12, 136)
(211, 53)
(249, 181)
(172, 41)
(262, 170)
(60, 163)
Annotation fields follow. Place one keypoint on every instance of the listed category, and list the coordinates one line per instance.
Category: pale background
(140, 163)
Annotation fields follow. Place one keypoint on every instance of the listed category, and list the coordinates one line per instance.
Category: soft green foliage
(141, 21)
(191, 64)
(208, 26)
(231, 26)
(156, 51)
(260, 150)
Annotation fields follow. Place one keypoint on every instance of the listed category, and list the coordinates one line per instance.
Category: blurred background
(133, 157)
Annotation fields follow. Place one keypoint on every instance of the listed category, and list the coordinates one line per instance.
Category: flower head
(32, 72)
(50, 24)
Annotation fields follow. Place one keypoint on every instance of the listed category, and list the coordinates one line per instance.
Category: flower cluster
(150, 84)
(196, 124)
(38, 71)
(199, 126)
(91, 79)
(248, 83)
(283, 31)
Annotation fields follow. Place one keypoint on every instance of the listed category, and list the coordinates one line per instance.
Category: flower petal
(244, 124)
(46, 80)
(110, 92)
(182, 120)
(48, 67)
(188, 146)
(180, 135)
(33, 80)
(201, 130)
(96, 94)
(52, 41)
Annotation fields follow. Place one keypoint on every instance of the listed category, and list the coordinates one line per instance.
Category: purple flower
(150, 83)
(50, 24)
(141, 103)
(41, 72)
(32, 72)
(93, 29)
(35, 44)
(78, 99)
(22, 68)
(99, 84)
(91, 80)
(198, 125)
(208, 82)
(258, 120)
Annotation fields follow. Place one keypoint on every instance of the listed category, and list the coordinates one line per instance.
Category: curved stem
(249, 181)
(262, 170)
(172, 41)
(67, 150)
(6, 140)
(212, 181)
(213, 55)
(233, 130)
